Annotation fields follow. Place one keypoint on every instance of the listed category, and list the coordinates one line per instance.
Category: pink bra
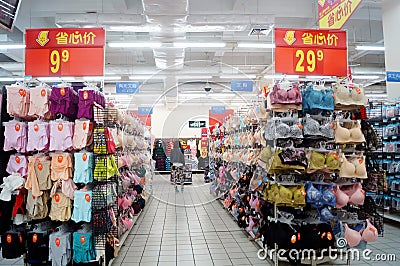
(354, 195)
(282, 96)
(353, 238)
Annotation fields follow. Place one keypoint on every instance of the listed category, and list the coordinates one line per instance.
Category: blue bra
(320, 197)
(318, 99)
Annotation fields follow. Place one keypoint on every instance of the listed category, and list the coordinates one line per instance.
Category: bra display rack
(291, 169)
(385, 116)
(77, 175)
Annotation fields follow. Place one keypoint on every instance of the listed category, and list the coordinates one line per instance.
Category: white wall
(174, 123)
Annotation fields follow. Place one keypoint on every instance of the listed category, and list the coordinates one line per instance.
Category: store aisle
(189, 228)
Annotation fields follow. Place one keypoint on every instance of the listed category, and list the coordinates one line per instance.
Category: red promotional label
(84, 157)
(9, 239)
(84, 126)
(62, 91)
(43, 92)
(22, 92)
(34, 238)
(57, 198)
(36, 127)
(58, 242)
(83, 239)
(87, 197)
(17, 127)
(65, 52)
(40, 166)
(60, 127)
(85, 95)
(60, 159)
(17, 159)
(311, 52)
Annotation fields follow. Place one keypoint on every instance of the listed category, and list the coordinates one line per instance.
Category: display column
(391, 22)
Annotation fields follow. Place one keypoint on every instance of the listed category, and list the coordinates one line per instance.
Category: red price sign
(311, 52)
(64, 52)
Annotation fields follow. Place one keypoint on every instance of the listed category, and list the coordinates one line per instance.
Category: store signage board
(127, 87)
(145, 110)
(197, 124)
(311, 52)
(333, 14)
(242, 85)
(61, 52)
(392, 76)
(218, 110)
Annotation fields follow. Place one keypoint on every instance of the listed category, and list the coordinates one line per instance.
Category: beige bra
(353, 168)
(349, 136)
(345, 96)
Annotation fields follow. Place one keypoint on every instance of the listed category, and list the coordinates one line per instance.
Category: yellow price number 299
(311, 58)
(56, 58)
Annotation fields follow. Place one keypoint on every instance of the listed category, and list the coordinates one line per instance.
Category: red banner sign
(311, 52)
(333, 14)
(64, 52)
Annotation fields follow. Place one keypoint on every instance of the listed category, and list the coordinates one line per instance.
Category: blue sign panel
(145, 110)
(242, 85)
(129, 87)
(393, 76)
(218, 110)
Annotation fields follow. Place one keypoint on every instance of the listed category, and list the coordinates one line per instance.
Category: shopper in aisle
(177, 162)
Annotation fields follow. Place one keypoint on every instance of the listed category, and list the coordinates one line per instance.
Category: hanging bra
(319, 161)
(293, 196)
(353, 168)
(285, 131)
(345, 96)
(355, 196)
(353, 238)
(313, 128)
(282, 96)
(320, 197)
(349, 136)
(293, 156)
(318, 99)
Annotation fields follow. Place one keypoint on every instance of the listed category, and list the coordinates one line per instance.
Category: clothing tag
(84, 157)
(83, 239)
(87, 197)
(60, 158)
(60, 127)
(17, 159)
(58, 242)
(62, 91)
(17, 127)
(85, 95)
(40, 166)
(22, 92)
(36, 127)
(84, 126)
(34, 238)
(57, 198)
(43, 92)
(9, 239)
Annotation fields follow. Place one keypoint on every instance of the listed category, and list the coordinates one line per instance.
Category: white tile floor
(192, 228)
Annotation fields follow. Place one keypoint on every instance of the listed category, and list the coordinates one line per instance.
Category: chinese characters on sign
(127, 87)
(242, 85)
(64, 52)
(311, 52)
(392, 76)
(333, 14)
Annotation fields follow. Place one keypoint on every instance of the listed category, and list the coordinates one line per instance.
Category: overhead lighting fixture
(146, 77)
(134, 44)
(365, 77)
(256, 45)
(281, 76)
(370, 48)
(12, 46)
(186, 77)
(199, 44)
(238, 76)
(8, 79)
(145, 28)
(377, 96)
(100, 78)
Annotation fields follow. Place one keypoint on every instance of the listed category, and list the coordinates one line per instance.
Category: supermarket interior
(187, 132)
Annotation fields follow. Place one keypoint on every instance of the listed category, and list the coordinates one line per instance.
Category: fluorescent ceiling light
(365, 77)
(255, 45)
(8, 79)
(134, 44)
(379, 95)
(370, 48)
(145, 28)
(146, 77)
(238, 76)
(199, 44)
(12, 46)
(194, 77)
(281, 76)
(100, 78)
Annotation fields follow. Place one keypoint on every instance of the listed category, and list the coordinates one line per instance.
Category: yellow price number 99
(310, 57)
(56, 58)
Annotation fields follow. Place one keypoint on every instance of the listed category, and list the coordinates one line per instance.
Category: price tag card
(311, 52)
(64, 52)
